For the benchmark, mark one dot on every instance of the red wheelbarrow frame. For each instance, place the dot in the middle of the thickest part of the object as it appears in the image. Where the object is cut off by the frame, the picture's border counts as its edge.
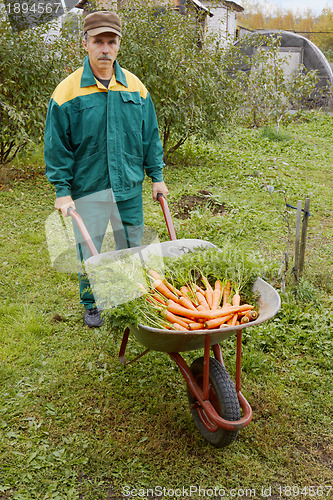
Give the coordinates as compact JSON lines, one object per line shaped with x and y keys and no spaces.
{"x":209,"y":416}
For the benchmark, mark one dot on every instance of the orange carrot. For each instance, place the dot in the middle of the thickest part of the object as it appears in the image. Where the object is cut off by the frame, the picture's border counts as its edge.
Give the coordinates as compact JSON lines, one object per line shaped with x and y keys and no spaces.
{"x":233,"y":320}
{"x":226,"y":293}
{"x":172,"y":288}
{"x":236,"y":299}
{"x":205,"y":314}
{"x":155,"y":301}
{"x":216,"y":322}
{"x":243,"y":307}
{"x":224,"y":311}
{"x":187,"y":293}
{"x":164,"y":290}
{"x":186,"y":320}
{"x":158,"y":298}
{"x":201,"y":308}
{"x":209,"y":297}
{"x":216,"y":298}
{"x":184,"y":290}
{"x":218,"y":285}
{"x":155,"y":275}
{"x":196,"y":326}
{"x":198,"y":289}
{"x":244,"y":319}
{"x":235,"y":302}
{"x":180,"y":327}
{"x":185,"y":302}
{"x":252,"y":315}
{"x":173,"y":318}
{"x":176,"y":308}
{"x":202,"y":300}
{"x":206,"y":283}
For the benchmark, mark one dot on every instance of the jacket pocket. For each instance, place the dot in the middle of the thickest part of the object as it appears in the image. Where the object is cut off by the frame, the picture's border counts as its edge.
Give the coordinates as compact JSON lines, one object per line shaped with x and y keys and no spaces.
{"x":133,"y":171}
{"x":91,"y":173}
{"x":131,"y":111}
{"x":88,"y":118}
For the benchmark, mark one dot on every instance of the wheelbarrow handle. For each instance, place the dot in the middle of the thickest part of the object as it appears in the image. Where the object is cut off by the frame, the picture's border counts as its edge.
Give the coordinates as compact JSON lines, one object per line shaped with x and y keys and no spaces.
{"x":90,"y":244}
{"x":86,"y":236}
{"x":167,"y":216}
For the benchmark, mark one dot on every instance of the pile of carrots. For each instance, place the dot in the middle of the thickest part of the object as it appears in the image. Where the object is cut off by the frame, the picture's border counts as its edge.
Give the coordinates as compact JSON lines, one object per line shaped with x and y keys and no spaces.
{"x":197,"y":308}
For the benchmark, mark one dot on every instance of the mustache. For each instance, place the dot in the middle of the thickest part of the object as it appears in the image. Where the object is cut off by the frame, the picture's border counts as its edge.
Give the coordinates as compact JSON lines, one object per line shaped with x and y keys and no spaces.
{"x":105,"y":58}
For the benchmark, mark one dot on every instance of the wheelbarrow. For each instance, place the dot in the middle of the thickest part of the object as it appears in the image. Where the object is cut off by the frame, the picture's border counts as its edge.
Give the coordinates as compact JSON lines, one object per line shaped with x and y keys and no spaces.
{"x":215,"y":401}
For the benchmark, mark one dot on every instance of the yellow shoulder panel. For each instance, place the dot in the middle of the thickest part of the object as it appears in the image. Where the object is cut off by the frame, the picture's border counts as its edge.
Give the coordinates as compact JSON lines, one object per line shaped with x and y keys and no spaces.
{"x":134,"y":84}
{"x":70,"y":88}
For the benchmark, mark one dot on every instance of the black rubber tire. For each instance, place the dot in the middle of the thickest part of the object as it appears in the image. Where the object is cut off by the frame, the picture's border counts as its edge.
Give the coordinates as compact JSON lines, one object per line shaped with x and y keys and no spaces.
{"x":222,"y":395}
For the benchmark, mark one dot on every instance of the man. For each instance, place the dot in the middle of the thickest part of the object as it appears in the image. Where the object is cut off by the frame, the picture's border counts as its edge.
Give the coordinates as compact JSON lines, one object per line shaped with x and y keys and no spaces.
{"x":101,"y":137}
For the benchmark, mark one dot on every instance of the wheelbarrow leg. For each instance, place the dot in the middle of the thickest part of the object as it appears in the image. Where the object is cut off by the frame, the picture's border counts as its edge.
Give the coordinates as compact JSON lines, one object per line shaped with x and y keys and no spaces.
{"x":218,"y":356}
{"x":205,"y":387}
{"x":238,"y":361}
{"x":122,"y":350}
{"x":218,"y":353}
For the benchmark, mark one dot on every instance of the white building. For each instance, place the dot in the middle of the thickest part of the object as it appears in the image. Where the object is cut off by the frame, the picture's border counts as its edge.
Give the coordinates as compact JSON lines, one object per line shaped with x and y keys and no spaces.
{"x":224,"y":19}
{"x":217,"y":16}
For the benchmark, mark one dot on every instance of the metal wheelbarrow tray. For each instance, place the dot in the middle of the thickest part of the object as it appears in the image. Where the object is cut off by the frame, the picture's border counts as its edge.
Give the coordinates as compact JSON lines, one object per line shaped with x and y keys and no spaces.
{"x":215,"y":401}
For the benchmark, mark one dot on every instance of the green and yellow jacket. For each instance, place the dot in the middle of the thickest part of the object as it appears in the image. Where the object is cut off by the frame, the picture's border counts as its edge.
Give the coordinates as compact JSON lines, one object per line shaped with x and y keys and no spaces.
{"x":98,"y":138}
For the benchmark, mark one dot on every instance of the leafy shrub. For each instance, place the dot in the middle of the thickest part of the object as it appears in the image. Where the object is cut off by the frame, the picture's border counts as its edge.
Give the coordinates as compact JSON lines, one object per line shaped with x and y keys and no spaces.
{"x":191,"y":86}
{"x":30,"y":69}
{"x":270,"y":94}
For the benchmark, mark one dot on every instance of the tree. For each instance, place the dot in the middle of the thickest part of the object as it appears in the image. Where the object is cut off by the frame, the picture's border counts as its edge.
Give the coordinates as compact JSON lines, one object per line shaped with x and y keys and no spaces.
{"x":270,"y":94}
{"x":30,"y":69}
{"x":190,"y":85}
{"x":316,"y":28}
{"x":324,"y":39}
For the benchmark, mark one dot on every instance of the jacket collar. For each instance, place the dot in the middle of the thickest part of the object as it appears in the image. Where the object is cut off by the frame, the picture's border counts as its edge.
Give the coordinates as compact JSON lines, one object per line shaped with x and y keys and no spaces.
{"x":88,"y":79}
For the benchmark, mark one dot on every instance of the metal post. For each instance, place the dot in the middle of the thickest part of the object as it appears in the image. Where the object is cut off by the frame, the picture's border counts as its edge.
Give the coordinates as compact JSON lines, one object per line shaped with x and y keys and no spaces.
{"x":297,"y":240}
{"x":303,"y":238}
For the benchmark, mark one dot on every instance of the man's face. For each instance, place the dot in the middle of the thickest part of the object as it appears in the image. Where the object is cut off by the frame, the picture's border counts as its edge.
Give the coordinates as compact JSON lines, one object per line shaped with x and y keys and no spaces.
{"x":102,"y":50}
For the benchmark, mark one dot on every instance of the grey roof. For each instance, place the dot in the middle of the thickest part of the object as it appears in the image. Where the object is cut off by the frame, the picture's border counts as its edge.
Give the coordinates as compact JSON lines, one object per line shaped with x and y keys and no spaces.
{"x":313,"y":58}
{"x":233,"y":5}
{"x":201,"y":6}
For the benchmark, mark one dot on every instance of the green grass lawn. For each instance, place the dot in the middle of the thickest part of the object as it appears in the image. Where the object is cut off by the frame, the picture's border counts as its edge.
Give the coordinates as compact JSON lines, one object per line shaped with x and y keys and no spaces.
{"x":75,"y":424}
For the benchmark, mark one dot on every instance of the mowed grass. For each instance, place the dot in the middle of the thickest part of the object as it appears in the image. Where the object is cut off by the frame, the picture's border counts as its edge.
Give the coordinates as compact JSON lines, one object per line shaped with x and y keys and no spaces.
{"x":75,"y":424}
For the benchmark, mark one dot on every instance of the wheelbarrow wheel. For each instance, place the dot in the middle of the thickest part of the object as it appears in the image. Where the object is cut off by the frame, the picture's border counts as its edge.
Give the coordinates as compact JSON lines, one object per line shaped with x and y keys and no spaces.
{"x":222,"y":396}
